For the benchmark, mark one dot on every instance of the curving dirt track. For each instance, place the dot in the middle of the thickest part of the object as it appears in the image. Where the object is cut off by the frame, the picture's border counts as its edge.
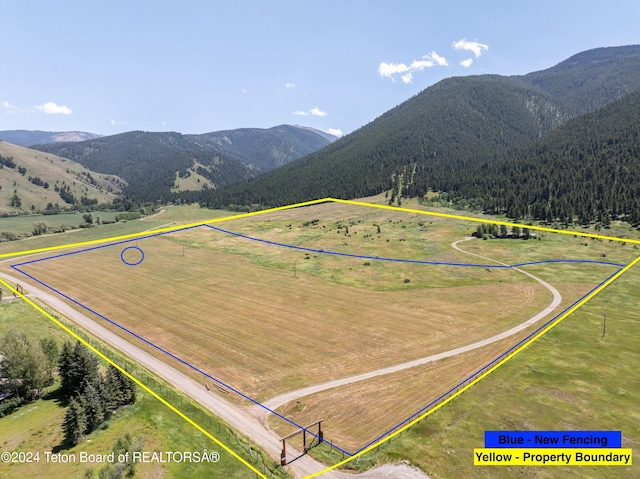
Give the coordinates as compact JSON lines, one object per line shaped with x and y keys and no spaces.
{"x":278,"y":401}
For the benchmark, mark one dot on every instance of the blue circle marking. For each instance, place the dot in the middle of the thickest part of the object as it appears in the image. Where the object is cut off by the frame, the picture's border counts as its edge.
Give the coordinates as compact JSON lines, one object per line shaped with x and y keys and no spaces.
{"x":132,"y":263}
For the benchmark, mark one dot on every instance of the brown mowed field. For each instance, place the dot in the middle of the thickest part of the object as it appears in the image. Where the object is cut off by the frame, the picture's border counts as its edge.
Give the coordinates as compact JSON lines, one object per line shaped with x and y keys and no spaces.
{"x":267,"y":320}
{"x":264,"y":331}
{"x":358,"y":413}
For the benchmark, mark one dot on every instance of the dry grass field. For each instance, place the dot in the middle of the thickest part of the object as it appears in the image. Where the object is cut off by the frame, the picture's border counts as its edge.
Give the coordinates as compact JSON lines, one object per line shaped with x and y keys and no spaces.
{"x":267,"y":319}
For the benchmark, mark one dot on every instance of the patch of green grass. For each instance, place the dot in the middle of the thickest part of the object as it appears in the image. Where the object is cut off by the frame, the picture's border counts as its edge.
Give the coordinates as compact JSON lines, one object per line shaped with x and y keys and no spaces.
{"x":571,"y":379}
{"x":36,"y":427}
{"x":174,"y":215}
{"x":16,"y":314}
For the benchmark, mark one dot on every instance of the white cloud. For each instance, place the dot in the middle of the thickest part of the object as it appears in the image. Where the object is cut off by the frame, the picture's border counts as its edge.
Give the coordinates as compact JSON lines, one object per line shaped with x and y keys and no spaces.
{"x":314,"y":111}
{"x":475,"y":47}
{"x":466,"y":63}
{"x":11,"y":108}
{"x":244,"y":91}
{"x":112,"y":121}
{"x":419,"y":65}
{"x":442,"y":61}
{"x":51,"y":108}
{"x":289,"y":85}
{"x":389,"y":70}
{"x":335,"y":131}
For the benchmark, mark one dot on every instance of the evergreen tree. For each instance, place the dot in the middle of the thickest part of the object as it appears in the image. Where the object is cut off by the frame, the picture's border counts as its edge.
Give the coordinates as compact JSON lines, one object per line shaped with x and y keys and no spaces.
{"x":65,"y":360}
{"x":94,"y":407}
{"x":75,"y":422}
{"x":120,"y":389}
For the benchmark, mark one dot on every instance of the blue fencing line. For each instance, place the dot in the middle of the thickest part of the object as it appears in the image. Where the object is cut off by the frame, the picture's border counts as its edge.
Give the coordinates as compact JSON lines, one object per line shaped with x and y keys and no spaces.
{"x":376,"y":258}
{"x":93,"y":248}
{"x":416,"y":261}
{"x":141,"y":338}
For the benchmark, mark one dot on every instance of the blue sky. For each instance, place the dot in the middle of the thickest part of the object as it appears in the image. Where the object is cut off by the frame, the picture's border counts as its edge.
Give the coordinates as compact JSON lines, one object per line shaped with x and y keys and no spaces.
{"x":200,"y":66}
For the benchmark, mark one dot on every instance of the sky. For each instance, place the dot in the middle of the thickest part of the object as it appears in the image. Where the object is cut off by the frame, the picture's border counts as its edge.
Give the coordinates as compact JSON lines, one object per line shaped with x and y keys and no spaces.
{"x":112,"y":66}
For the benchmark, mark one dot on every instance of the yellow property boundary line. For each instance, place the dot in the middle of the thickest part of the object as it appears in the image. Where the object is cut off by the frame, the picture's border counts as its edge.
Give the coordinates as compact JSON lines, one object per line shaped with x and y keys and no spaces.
{"x":310,"y":203}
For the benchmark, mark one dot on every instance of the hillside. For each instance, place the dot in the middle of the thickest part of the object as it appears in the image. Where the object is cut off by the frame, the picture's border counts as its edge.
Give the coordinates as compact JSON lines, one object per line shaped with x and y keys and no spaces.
{"x":38,"y":179}
{"x":36,"y":137}
{"x":170,"y":166}
{"x":591,"y":79}
{"x":449,"y":128}
{"x":151,"y":163}
{"x":587,"y":169}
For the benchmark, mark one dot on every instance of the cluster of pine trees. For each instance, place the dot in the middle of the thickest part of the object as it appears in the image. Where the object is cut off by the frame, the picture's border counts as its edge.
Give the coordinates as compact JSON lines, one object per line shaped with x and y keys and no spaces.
{"x":92,"y":396}
{"x":486,"y":231}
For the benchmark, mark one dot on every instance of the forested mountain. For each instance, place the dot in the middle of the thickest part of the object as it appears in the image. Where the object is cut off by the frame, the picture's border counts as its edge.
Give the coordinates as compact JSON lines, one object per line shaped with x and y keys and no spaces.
{"x":591,"y":79}
{"x":586,"y":170}
{"x":445,"y":132}
{"x":170,"y":166}
{"x":447,"y":127}
{"x":35,"y":137}
{"x":266,"y":149}
{"x":151,"y":162}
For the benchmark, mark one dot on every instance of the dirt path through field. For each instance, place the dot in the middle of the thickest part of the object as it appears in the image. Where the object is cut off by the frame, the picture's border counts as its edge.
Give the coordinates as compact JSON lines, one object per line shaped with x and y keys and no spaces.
{"x":278,"y":401}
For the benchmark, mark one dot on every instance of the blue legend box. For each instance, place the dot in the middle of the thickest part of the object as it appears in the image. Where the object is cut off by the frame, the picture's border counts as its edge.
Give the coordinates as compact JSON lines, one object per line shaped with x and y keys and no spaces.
{"x":556,"y":439}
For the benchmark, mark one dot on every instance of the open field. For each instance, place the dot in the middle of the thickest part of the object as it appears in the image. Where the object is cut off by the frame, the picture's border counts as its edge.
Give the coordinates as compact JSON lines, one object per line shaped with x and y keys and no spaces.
{"x":268,"y":319}
{"x":374,"y":405}
{"x":241,"y":322}
{"x":37,"y":426}
{"x":24,"y":223}
{"x":172,"y":215}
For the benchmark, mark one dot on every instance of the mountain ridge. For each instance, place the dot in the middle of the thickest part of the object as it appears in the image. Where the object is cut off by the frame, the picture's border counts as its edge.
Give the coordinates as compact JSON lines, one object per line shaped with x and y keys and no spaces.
{"x":33,"y":137}
{"x":156,"y":164}
{"x":452,"y":126}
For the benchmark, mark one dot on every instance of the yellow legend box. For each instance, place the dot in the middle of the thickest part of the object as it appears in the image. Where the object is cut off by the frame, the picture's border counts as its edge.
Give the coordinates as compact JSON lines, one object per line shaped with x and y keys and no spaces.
{"x":552,"y":457}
